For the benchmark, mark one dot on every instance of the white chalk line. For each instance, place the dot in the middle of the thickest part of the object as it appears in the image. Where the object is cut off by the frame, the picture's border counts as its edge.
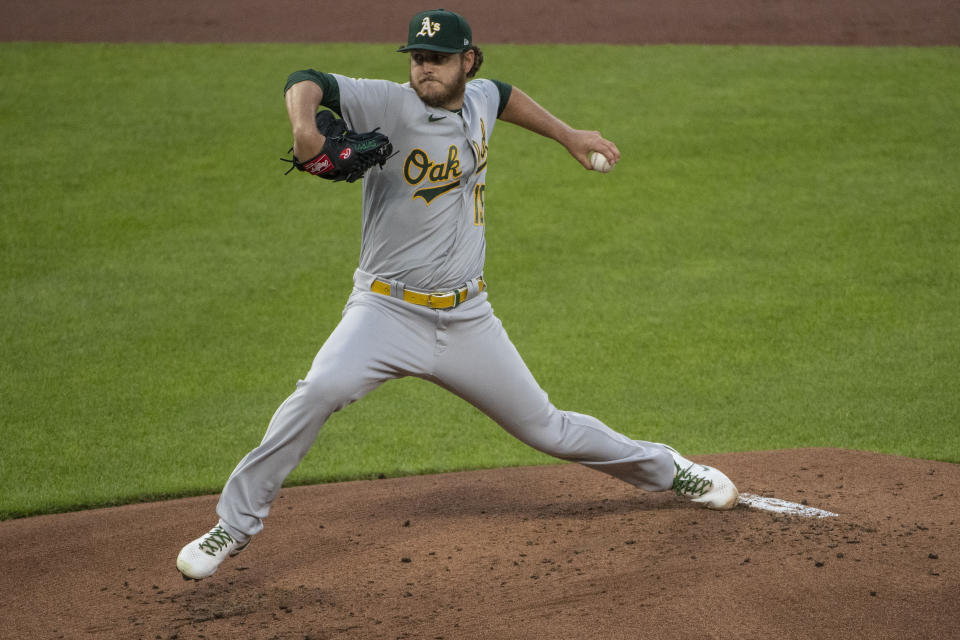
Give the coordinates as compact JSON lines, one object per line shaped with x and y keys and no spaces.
{"x":782,"y":506}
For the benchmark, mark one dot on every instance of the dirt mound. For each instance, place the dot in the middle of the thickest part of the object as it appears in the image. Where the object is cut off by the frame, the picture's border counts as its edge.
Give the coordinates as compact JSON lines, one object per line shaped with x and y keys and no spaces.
{"x":547,"y":552}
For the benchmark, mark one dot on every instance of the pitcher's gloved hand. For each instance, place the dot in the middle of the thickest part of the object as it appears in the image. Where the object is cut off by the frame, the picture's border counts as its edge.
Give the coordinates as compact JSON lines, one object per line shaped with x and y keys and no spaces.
{"x":346,"y":155}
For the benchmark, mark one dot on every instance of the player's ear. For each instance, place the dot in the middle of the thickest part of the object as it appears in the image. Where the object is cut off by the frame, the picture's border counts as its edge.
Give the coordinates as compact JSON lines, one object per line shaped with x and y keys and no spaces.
{"x":466,"y":60}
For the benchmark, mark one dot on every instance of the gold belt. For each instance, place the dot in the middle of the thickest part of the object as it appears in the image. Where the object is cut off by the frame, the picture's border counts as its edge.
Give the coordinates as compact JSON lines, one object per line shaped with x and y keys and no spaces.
{"x":441,"y":300}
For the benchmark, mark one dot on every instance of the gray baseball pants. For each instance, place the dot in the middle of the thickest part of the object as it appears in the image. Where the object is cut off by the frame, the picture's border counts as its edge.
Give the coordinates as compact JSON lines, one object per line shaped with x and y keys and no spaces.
{"x":464,"y":350}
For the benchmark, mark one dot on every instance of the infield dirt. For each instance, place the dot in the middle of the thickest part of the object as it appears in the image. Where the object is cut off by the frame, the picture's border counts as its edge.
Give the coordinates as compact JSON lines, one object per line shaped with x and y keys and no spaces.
{"x":546,"y":552}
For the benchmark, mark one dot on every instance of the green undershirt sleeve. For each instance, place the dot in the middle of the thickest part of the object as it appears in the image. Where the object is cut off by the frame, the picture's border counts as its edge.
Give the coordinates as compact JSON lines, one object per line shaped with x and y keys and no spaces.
{"x":505,"y":90}
{"x":331,"y":90}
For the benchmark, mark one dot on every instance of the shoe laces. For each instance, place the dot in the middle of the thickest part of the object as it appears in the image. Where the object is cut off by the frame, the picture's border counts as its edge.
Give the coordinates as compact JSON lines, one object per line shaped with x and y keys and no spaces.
{"x":216,"y":540}
{"x":687,"y":483}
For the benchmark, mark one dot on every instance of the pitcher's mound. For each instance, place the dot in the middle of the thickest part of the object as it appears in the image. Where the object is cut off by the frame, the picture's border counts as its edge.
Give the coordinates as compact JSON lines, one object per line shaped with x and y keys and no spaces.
{"x":542,"y":552}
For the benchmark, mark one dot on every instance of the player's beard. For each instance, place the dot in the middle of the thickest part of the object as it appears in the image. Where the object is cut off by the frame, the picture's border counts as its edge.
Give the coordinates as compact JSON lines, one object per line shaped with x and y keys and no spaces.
{"x":438,"y":94}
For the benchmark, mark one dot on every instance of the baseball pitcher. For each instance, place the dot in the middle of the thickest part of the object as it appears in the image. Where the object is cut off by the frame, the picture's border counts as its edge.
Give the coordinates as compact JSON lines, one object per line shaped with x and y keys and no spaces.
{"x":419,"y":305}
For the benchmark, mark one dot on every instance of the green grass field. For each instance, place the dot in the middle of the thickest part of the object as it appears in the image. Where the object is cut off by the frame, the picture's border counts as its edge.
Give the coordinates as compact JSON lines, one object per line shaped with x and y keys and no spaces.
{"x":775,"y":262}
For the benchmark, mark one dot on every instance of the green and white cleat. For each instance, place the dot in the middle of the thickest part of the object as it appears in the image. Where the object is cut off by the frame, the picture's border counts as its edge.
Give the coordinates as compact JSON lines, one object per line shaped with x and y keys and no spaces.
{"x":201,"y":558}
{"x":702,"y":484}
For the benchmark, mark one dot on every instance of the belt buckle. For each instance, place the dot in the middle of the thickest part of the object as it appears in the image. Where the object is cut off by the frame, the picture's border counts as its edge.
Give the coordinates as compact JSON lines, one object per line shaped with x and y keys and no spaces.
{"x":442,"y":300}
{"x":439,"y":300}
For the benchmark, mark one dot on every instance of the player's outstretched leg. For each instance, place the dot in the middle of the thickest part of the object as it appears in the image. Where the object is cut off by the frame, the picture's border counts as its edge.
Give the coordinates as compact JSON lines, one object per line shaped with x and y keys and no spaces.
{"x":201,"y":558}
{"x":482,"y":366}
{"x":702,"y":484}
{"x":349,"y":365}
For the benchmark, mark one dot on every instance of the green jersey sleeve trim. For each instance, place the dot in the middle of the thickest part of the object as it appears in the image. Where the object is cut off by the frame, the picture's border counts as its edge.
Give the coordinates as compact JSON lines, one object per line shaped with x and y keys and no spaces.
{"x":505,"y":91}
{"x":331,"y":89}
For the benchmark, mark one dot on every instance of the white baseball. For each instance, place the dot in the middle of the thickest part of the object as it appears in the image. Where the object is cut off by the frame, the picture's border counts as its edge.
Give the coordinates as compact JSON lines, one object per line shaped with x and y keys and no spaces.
{"x":599,"y":162}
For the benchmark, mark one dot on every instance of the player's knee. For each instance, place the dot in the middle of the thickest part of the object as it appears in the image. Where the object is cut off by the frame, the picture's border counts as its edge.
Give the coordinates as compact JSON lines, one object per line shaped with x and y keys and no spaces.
{"x":552,"y":447}
{"x":328,"y":390}
{"x":546,"y":432}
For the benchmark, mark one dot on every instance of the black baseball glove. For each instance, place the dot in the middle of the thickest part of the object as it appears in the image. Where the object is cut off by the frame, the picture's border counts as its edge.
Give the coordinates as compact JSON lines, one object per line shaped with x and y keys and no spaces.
{"x":346,"y":155}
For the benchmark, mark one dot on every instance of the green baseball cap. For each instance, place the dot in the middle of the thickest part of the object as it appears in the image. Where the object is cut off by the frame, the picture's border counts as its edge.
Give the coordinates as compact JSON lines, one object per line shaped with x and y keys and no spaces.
{"x":438,"y":30}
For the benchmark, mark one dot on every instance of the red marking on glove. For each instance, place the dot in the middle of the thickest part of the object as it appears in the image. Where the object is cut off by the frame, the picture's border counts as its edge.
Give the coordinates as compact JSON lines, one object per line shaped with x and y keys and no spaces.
{"x":319,"y":165}
{"x":346,"y":153}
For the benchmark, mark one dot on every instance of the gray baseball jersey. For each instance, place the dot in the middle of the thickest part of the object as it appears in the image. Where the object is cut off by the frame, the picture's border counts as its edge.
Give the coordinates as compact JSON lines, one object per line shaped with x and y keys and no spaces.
{"x":423,"y":229}
{"x":423,"y":211}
